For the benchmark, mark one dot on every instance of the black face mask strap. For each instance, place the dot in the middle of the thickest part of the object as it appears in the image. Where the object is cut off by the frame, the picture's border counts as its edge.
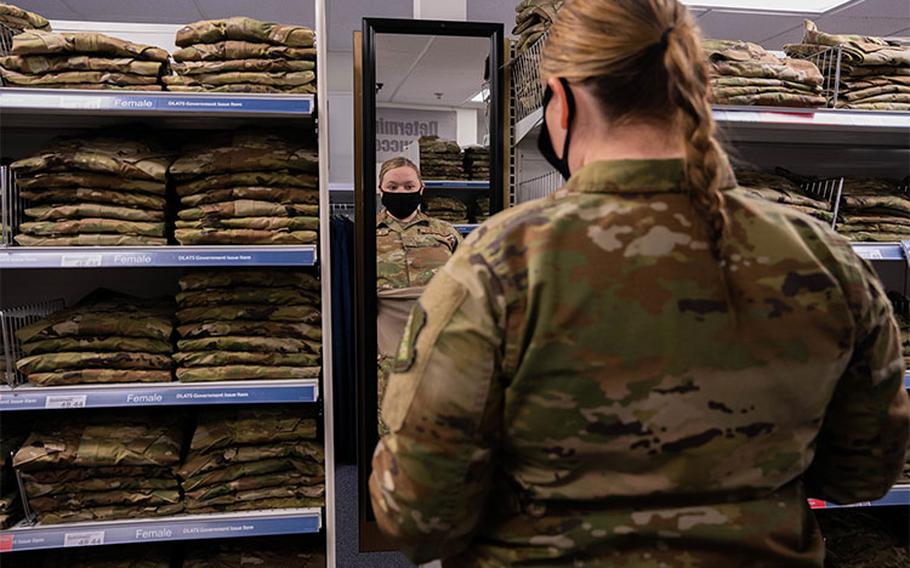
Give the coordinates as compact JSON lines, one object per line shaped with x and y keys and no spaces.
{"x":570,"y":100}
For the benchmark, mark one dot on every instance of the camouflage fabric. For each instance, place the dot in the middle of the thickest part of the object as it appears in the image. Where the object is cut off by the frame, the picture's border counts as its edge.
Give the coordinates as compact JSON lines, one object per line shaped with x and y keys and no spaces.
{"x":225,"y":428}
{"x":243,"y":236}
{"x":410,"y":254}
{"x":103,"y":87}
{"x":90,"y":241}
{"x":860,"y":50}
{"x":92,"y":180}
{"x":67,"y":77}
{"x":19,"y":19}
{"x":533,"y":18}
{"x":128,"y":158}
{"x":253,"y":295}
{"x":278,"y":178}
{"x":861,"y":218}
{"x":226,"y":50}
{"x":197,"y":464}
{"x":65,"y":477}
{"x":193,"y":87}
{"x":292,"y":314}
{"x":273,"y":555}
{"x":203,"y":279}
{"x":222,"y":358}
{"x":77,"y":501}
{"x":249,"y":486}
{"x":300,"y":502}
{"x":255,"y":223}
{"x":38,"y":42}
{"x":85,"y":195}
{"x":273,"y":79}
{"x":251,"y":329}
{"x":88,"y":226}
{"x":246,"y":151}
{"x":447,"y":209}
{"x":96,"y":211}
{"x":250,"y":344}
{"x":724,"y":92}
{"x":868,"y":236}
{"x":889,"y":99}
{"x":39,"y":64}
{"x":791,"y":70}
{"x":110,"y":513}
{"x":286,"y":196}
{"x":64,"y":360}
{"x":246,"y":373}
{"x":93,"y":344}
{"x":247,"y":208}
{"x":893,"y":228}
{"x":880,"y":106}
{"x":528,"y":427}
{"x":875,"y":91}
{"x":255,"y":469}
{"x":785,"y":99}
{"x":238,"y":28}
{"x":94,"y":445}
{"x":37,"y":489}
{"x":86,"y":376}
{"x":244,"y":65}
{"x":225,"y":496}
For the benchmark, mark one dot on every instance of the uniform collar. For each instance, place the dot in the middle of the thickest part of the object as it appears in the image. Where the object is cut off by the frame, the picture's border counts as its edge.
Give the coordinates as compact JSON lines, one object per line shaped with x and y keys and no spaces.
{"x":637,"y":176}
{"x":386,"y":219}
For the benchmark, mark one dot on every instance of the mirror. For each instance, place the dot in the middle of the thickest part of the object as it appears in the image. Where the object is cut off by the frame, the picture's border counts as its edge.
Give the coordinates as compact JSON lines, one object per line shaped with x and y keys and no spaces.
{"x":431,"y":169}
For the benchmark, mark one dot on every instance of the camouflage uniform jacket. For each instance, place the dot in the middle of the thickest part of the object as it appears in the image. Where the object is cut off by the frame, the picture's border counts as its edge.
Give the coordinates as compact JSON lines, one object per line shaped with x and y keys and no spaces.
{"x":409,"y":254}
{"x":584,"y":385}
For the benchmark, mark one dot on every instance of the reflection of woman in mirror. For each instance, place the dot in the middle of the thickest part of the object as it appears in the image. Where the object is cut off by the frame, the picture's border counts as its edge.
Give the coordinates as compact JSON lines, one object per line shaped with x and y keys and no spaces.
{"x":410,"y":248}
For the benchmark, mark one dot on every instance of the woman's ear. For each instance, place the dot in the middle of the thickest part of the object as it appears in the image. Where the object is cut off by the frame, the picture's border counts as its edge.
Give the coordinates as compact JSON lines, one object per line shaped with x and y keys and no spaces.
{"x":560,"y":100}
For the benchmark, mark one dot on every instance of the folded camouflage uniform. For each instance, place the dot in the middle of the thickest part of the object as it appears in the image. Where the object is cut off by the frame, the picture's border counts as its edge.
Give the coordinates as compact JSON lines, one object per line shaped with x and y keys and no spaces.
{"x":16,"y":18}
{"x":779,"y":189}
{"x":440,"y":159}
{"x":874,"y":210}
{"x":477,"y":162}
{"x":744,"y":73}
{"x":532,"y":20}
{"x":83,"y":60}
{"x":447,"y":209}
{"x":277,"y":554}
{"x":10,"y":502}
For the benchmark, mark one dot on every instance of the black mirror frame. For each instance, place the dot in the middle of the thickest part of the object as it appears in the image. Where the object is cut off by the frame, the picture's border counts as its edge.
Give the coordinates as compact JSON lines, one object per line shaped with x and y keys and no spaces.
{"x":365,"y":223}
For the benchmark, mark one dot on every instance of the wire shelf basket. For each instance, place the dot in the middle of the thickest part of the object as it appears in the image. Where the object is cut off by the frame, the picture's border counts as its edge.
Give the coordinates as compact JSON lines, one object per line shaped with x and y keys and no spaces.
{"x":11,"y":321}
{"x":538,"y":187}
{"x":829,"y":190}
{"x":527,"y":89}
{"x":12,"y":207}
{"x":828,"y":62}
{"x":6,"y":39}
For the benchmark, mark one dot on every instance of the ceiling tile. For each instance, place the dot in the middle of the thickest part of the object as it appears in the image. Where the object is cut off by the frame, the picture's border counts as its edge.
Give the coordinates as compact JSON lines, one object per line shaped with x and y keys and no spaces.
{"x":51,"y":9}
{"x":346,"y":16}
{"x":285,"y":11}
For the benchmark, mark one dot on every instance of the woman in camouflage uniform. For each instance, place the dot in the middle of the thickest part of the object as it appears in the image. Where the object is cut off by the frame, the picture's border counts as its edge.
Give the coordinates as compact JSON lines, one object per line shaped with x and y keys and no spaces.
{"x":647,"y":368}
{"x":410,"y":248}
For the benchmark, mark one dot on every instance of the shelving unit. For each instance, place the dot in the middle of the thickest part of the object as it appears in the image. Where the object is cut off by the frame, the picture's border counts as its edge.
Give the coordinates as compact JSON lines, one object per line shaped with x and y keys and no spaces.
{"x":898,"y":496}
{"x":33,"y":116}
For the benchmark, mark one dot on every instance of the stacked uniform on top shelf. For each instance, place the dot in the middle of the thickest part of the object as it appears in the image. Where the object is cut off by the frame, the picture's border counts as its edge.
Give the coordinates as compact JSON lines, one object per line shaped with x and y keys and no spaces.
{"x":94,"y":191}
{"x":532,"y":20}
{"x":477,"y":162}
{"x":779,"y":189}
{"x":243,"y":460}
{"x":874,"y":73}
{"x":16,"y":18}
{"x":10,"y":503}
{"x":243,"y":55}
{"x":82,"y":61}
{"x":483,"y":209}
{"x":247,"y":325}
{"x":440,"y":159}
{"x":874,"y":210}
{"x":101,"y":469}
{"x":743,"y":73}
{"x":447,"y":209}
{"x":105,"y":338}
{"x":248,"y":187}
{"x":274,"y":554}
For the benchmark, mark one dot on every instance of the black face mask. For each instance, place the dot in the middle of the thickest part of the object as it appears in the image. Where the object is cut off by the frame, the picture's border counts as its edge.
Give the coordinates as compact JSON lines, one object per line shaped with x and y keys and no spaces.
{"x":545,"y":145}
{"x":401,"y":205}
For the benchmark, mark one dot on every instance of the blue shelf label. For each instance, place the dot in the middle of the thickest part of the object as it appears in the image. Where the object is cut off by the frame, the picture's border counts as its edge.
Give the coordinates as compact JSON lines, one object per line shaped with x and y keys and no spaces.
{"x":191,"y":528}
{"x":20,"y":257}
{"x":884,"y":251}
{"x":898,"y":496}
{"x":158,"y":102}
{"x":172,"y":395}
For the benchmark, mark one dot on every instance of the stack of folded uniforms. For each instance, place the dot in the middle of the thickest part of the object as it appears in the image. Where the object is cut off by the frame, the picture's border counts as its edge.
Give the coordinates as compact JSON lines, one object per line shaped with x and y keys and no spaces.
{"x":440,"y":159}
{"x":104,"y":468}
{"x":779,"y":189}
{"x":15,"y":18}
{"x":10,"y":502}
{"x":532,"y":20}
{"x":82,"y":60}
{"x":447,"y":209}
{"x":248,"y":325}
{"x":744,"y":73}
{"x":874,"y":73}
{"x":477,"y":162}
{"x":272,"y":553}
{"x":94,"y":191}
{"x":105,"y":338}
{"x":874,"y":210}
{"x":243,"y":460}
{"x":903,"y":320}
{"x":483,"y":209}
{"x":248,"y":187}
{"x":243,"y":55}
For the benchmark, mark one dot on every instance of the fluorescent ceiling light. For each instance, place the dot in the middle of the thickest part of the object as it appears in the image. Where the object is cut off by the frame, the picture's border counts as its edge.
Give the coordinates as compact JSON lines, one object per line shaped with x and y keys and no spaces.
{"x":799,"y":6}
{"x":481,"y":96}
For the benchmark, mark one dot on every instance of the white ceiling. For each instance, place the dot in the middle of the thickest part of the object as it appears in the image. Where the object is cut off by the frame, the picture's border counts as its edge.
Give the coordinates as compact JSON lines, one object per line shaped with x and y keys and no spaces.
{"x":869,"y":17}
{"x":433,"y":70}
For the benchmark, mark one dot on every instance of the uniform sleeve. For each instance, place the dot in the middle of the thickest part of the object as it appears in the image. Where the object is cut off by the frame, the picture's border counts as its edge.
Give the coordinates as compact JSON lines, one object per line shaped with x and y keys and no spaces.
{"x":431,"y":474}
{"x":862,"y":445}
